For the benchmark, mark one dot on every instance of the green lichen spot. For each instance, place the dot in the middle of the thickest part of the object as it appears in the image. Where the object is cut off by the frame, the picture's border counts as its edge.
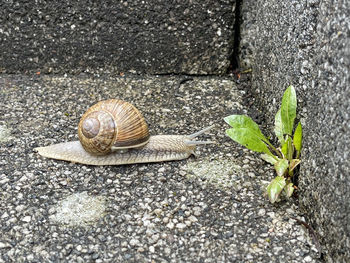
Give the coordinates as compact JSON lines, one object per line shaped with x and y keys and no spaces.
{"x":223,"y":173}
{"x":79,"y":209}
{"x":4,"y":134}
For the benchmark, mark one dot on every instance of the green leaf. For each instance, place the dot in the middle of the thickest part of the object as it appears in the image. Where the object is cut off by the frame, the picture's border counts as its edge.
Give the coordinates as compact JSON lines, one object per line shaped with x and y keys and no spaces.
{"x":284,"y":148}
{"x":289,"y":189}
{"x":275,"y":188}
{"x":297,"y":139}
{"x":241,"y":121}
{"x":268,"y":158}
{"x":281,"y":166}
{"x":287,"y":148}
{"x":248,"y":138}
{"x":288,"y":110}
{"x":279,"y":127}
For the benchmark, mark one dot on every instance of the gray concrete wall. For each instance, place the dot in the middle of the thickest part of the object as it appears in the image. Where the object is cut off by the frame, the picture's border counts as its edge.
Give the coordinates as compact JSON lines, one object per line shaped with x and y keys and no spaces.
{"x":307,"y":44}
{"x":157,"y":37}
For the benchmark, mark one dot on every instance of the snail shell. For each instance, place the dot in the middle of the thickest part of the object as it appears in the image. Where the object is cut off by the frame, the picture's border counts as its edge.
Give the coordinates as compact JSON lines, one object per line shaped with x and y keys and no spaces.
{"x":112,"y":125}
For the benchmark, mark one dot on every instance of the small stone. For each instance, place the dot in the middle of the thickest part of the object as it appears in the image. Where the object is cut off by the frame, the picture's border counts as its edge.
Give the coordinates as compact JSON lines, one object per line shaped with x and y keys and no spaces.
{"x":161,"y":170}
{"x":4,"y":245}
{"x":197,"y":211}
{"x":170,"y":225}
{"x":158,"y":211}
{"x":151,"y":249}
{"x":12,"y":220}
{"x":261,"y":212}
{"x":4,"y":181}
{"x":109,"y":181}
{"x":228,"y":234}
{"x":252,"y":175}
{"x":192,"y":219}
{"x":134,"y":242}
{"x":214,"y":234}
{"x":271,"y":214}
{"x":128,"y":182}
{"x":27,"y":219}
{"x":20,"y":208}
{"x":162,"y":179}
{"x":301,"y":238}
{"x":181,"y":226}
{"x":308,"y":259}
{"x":154,"y":238}
{"x":182,"y":173}
{"x":188,"y":223}
{"x":64,"y":182}
{"x":4,"y":215}
{"x":30,"y":257}
{"x":167,"y":251}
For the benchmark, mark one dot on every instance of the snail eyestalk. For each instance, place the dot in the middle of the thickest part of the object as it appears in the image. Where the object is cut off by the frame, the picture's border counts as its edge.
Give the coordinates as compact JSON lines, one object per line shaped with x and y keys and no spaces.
{"x":196,"y":134}
{"x":192,"y":136}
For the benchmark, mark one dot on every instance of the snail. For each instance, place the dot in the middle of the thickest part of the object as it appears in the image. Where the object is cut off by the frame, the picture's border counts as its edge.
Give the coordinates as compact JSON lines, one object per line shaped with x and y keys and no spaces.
{"x":114,"y":132}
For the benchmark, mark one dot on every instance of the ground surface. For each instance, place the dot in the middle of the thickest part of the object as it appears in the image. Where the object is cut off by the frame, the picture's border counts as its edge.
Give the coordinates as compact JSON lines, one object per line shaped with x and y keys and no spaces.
{"x":205,"y":209}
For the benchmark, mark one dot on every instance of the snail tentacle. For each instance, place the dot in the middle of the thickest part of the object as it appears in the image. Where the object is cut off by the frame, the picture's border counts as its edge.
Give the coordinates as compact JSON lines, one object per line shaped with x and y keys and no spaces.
{"x":196,"y":134}
{"x":192,"y":136}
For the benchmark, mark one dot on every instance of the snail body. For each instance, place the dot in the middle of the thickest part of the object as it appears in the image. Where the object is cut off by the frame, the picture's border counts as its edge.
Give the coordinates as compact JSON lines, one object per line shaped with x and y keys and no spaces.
{"x":114,"y":132}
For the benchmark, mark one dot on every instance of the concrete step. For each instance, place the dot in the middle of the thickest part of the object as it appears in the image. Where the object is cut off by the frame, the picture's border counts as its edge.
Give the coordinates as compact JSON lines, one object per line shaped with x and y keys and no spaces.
{"x":157,"y":37}
{"x":210,"y":208}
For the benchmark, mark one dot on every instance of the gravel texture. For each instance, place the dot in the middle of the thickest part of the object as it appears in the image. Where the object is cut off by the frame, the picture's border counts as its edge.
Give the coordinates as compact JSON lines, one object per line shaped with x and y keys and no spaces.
{"x":193,"y":37}
{"x":307,"y":44}
{"x":206,"y":209}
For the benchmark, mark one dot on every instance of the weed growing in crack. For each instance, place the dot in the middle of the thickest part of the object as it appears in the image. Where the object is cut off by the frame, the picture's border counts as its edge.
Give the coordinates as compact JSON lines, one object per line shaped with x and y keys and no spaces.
{"x":284,"y":158}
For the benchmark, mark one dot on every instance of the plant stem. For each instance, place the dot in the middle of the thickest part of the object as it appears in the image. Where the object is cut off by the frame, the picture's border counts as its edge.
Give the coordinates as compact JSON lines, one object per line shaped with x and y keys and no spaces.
{"x":274,"y":149}
{"x":290,"y":150}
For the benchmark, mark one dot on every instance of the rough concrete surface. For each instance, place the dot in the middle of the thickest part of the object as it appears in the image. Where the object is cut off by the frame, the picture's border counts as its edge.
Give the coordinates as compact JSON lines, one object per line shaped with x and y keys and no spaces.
{"x":307,"y":44}
{"x":205,"y":209}
{"x":158,"y":37}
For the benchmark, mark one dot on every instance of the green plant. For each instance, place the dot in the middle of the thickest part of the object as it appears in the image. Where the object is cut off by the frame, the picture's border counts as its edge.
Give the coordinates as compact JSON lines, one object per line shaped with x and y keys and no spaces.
{"x":285,"y":158}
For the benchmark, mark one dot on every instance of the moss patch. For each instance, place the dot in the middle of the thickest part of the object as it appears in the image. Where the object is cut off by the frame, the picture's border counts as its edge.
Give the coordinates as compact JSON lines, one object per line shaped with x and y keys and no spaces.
{"x":4,"y":134}
{"x":79,"y":209}
{"x":222,"y":173}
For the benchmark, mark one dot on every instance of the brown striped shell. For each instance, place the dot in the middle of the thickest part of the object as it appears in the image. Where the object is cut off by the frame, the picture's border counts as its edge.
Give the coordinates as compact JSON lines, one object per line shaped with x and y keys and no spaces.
{"x":112,"y":125}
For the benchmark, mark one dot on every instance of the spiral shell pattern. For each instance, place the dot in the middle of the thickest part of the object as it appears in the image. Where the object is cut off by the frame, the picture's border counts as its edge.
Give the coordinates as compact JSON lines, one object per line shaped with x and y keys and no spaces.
{"x":112,"y":125}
